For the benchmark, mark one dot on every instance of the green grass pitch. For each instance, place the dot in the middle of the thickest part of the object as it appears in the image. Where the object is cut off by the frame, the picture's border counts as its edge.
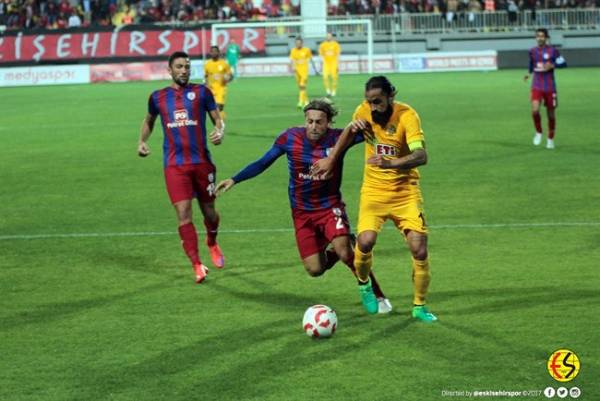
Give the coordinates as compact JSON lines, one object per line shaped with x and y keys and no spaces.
{"x":92,"y":313}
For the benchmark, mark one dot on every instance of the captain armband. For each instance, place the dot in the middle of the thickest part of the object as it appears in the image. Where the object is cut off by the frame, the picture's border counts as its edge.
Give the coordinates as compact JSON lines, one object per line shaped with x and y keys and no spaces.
{"x":416,"y":145}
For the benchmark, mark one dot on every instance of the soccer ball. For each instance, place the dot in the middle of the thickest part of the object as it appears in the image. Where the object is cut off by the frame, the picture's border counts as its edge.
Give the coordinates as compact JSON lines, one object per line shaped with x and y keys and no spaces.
{"x":320,"y":321}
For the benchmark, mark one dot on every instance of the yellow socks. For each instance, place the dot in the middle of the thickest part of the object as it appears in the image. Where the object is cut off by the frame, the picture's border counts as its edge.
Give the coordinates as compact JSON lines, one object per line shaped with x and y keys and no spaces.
{"x":421,"y":279}
{"x":362,"y":264}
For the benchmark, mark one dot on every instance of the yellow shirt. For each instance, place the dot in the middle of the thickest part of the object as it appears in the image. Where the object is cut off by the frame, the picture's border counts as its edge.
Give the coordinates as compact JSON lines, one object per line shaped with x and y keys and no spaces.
{"x":403,"y":127}
{"x":300,"y":58}
{"x":330,"y":51}
{"x":215,"y":72}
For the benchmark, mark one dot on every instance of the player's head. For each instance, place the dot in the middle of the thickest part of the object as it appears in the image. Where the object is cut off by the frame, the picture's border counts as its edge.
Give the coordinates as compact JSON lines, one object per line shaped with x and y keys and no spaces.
{"x":180,"y":68}
{"x":318,"y":115}
{"x":215,"y":52}
{"x":299,"y":42}
{"x":379,"y":93}
{"x":329,"y":36}
{"x":541,"y":36}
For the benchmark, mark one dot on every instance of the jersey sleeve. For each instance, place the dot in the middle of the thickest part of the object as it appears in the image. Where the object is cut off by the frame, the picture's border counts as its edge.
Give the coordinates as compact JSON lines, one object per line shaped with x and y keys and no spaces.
{"x":412,"y":125}
{"x":530,"y":62}
{"x":255,"y":168}
{"x":209,"y":100}
{"x":359,"y":113}
{"x":152,"y":106}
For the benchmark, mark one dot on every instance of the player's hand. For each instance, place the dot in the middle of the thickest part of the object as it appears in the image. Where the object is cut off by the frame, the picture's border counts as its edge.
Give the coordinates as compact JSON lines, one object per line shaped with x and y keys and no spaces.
{"x":322,"y":168}
{"x":224,"y":186}
{"x":379,"y":161}
{"x":216,"y":137}
{"x":143,"y":149}
{"x":365,"y":127}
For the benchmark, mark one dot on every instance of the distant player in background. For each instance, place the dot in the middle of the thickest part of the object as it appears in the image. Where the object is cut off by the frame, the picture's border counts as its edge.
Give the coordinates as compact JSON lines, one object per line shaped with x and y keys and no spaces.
{"x":317,"y":208}
{"x":542,"y":60}
{"x":233,"y":53}
{"x":217,"y":74}
{"x":330,"y":51}
{"x":300,"y":56}
{"x":189,"y":170}
{"x":390,"y":188}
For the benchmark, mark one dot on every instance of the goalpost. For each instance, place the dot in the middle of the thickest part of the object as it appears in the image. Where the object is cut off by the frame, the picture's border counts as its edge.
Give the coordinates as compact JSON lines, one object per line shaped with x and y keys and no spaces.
{"x":308,"y":29}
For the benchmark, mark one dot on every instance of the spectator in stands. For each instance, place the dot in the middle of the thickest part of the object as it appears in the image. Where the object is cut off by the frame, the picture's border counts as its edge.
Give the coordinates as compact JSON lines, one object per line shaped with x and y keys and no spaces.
{"x":74,"y":20}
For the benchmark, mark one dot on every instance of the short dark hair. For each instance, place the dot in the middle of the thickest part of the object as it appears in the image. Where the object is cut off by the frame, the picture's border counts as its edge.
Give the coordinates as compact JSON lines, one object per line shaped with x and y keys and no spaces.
{"x":544,"y":31}
{"x":381,"y":82}
{"x":215,"y":47}
{"x":323,"y":104}
{"x":176,"y":55}
{"x":298,"y":38}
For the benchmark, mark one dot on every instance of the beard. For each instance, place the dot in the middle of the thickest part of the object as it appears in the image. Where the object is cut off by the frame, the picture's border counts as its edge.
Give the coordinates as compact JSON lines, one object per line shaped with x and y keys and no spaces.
{"x":382,"y":118}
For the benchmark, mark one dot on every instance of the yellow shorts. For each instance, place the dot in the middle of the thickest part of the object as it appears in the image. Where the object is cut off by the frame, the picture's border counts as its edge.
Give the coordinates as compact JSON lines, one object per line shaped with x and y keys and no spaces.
{"x":330,"y":70}
{"x":301,"y":77}
{"x":219,"y":93}
{"x":404,"y":207}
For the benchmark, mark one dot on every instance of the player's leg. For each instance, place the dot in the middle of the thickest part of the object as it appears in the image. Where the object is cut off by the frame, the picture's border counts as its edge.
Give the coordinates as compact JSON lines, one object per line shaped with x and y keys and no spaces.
{"x":371,"y":216}
{"x":220,"y":95}
{"x":409,"y":218}
{"x":551,"y":102}
{"x":536,"y":98}
{"x":204,"y":188}
{"x":310,"y":243}
{"x":334,"y":80}
{"x":180,"y":189}
{"x":326,"y":77}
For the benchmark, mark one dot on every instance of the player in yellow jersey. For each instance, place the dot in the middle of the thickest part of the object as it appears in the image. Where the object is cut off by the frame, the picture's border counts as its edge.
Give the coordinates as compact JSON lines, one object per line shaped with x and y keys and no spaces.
{"x":300,"y":56}
{"x":217,"y":74}
{"x":330,"y":51}
{"x":390,"y":187}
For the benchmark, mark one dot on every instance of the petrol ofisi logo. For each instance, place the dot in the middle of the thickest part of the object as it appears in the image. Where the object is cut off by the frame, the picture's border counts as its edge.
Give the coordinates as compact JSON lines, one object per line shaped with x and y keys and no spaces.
{"x":563,"y":365}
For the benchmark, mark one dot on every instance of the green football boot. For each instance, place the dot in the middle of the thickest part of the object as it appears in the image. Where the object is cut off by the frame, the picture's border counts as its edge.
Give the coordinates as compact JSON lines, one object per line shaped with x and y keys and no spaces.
{"x":422,"y":313}
{"x":368,"y":298}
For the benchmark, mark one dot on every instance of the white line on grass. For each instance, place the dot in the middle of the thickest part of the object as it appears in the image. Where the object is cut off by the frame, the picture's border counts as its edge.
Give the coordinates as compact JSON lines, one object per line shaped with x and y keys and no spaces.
{"x":279,"y":230}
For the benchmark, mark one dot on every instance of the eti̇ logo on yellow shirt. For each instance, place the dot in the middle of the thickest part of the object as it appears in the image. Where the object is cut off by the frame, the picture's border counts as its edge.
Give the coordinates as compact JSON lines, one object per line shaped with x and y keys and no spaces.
{"x":563,"y":365}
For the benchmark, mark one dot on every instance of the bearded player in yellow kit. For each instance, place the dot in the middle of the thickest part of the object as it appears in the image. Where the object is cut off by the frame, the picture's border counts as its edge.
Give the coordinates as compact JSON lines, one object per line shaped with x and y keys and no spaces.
{"x":217,"y":74}
{"x":330,"y":51}
{"x":300,"y":56}
{"x":390,"y":187}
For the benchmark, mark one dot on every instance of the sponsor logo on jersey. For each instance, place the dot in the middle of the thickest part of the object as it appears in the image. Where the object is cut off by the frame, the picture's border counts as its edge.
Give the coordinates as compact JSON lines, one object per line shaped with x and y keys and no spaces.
{"x":181,"y":119}
{"x":385,"y":150}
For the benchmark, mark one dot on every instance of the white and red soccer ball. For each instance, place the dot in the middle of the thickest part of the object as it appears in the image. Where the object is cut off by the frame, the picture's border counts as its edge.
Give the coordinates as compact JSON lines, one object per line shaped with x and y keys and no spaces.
{"x":320,"y":321}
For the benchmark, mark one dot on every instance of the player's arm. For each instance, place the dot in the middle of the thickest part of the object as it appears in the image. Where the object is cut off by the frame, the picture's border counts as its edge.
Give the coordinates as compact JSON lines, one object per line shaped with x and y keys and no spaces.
{"x":347,"y":138}
{"x":216,"y":136}
{"x":251,"y":170}
{"x":530,"y":71}
{"x":145,"y":132}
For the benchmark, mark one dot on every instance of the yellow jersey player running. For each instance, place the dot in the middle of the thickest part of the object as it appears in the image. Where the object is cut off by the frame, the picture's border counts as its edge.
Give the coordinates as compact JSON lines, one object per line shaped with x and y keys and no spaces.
{"x":217,"y":74}
{"x":300,"y":56}
{"x":330,"y":51}
{"x":390,"y":187}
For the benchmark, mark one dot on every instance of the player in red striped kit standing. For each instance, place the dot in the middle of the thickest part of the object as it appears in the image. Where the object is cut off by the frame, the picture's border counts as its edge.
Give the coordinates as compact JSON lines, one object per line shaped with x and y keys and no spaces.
{"x":189,"y":170}
{"x":543,"y":59}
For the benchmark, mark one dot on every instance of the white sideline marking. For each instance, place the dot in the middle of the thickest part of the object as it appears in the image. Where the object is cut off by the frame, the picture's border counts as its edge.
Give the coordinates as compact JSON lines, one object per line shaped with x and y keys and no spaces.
{"x":279,"y":230}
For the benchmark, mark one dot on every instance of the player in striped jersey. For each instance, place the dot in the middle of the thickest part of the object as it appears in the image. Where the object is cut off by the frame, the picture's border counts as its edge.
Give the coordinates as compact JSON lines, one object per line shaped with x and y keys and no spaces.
{"x":543,"y":59}
{"x":317,"y":208}
{"x":188,"y":167}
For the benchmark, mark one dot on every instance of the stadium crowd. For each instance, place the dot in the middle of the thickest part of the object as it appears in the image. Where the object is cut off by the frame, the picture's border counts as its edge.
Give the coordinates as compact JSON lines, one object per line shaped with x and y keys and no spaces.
{"x":58,"y":14}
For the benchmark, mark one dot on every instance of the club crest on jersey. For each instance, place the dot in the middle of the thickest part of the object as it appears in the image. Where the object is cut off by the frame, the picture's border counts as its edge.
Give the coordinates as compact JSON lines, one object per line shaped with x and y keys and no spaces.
{"x":327,"y":151}
{"x":391,"y":130}
{"x":191,"y":95}
{"x":545,"y":56}
{"x":385,"y":150}
{"x":337,"y":211}
{"x":211,"y":177}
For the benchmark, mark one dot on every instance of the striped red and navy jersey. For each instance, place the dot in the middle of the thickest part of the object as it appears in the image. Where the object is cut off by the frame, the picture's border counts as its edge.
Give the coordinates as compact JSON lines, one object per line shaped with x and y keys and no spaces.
{"x":305,"y":192}
{"x":538,"y":56}
{"x":183,"y":116}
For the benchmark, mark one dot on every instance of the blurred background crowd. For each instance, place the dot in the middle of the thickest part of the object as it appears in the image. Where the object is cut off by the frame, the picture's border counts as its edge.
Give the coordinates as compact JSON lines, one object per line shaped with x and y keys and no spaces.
{"x":57,"y":14}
